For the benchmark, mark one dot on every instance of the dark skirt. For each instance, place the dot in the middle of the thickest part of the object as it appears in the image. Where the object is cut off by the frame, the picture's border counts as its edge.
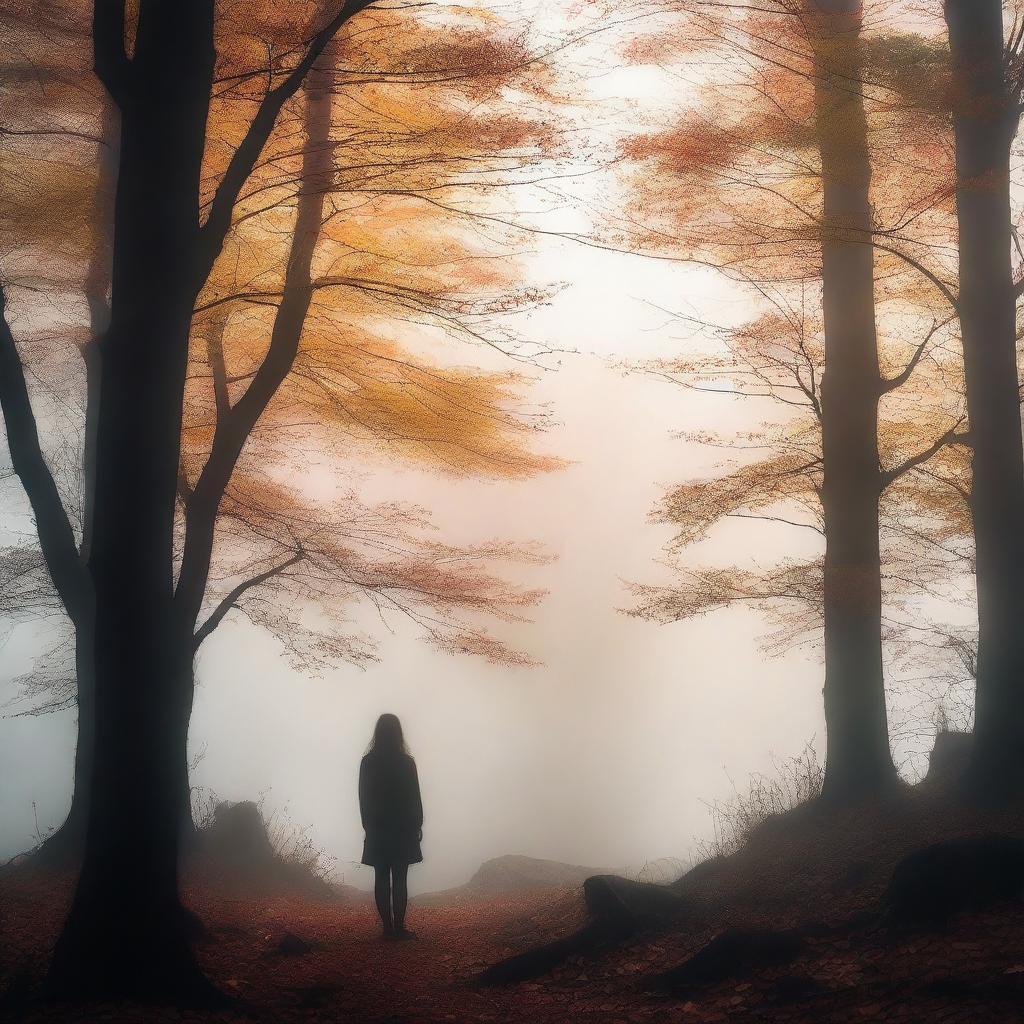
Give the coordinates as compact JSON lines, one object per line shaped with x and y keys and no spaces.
{"x":382,"y":849}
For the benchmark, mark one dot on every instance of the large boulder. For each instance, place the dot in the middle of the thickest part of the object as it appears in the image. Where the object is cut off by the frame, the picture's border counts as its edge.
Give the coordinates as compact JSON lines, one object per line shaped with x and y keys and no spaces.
{"x":237,"y":837}
{"x":969,"y":873}
{"x":516,"y":873}
{"x":619,"y":907}
{"x":236,"y":845}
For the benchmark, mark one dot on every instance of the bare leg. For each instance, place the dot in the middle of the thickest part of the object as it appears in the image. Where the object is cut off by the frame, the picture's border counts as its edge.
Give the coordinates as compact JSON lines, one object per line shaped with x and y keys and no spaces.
{"x":400,"y":879}
{"x":382,"y":896}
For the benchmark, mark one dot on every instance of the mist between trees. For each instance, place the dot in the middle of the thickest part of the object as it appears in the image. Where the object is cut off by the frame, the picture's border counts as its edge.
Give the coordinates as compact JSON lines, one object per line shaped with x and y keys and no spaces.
{"x":238,"y":240}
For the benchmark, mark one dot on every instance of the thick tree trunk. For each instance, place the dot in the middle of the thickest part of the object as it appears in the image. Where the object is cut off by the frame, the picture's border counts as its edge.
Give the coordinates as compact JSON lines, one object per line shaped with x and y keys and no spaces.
{"x":125,"y":932}
{"x":63,"y":849}
{"x":985,"y":121}
{"x":859,"y":761}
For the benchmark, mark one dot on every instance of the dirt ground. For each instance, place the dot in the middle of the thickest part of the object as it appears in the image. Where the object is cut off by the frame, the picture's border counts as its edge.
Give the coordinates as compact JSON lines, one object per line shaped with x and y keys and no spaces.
{"x":805,"y":870}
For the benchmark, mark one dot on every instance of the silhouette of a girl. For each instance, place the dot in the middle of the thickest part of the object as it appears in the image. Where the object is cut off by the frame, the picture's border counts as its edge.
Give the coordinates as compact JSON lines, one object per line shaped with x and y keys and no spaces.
{"x":392,"y":813}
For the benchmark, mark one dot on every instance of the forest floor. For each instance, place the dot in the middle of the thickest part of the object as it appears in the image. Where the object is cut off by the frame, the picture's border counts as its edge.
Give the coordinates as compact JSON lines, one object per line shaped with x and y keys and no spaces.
{"x":801,"y":868}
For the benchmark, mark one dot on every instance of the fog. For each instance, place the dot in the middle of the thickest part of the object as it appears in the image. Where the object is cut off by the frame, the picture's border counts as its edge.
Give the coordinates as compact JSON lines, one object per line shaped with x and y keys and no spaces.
{"x":606,"y":752}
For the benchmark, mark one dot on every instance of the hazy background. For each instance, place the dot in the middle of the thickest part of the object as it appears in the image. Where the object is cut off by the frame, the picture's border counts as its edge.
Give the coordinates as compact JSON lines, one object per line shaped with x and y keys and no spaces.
{"x":601,"y":756}
{"x":605,"y":754}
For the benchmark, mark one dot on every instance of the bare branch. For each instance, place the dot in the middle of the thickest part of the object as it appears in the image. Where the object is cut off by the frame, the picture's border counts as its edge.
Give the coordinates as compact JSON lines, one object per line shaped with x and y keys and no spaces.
{"x":941,"y":285}
{"x":231,"y":599}
{"x":950,"y":438}
{"x":234,"y":425}
{"x":892,"y":383}
{"x":215,"y":355}
{"x":184,"y":487}
{"x":218,"y":223}
{"x":775,"y":519}
{"x":56,"y":537}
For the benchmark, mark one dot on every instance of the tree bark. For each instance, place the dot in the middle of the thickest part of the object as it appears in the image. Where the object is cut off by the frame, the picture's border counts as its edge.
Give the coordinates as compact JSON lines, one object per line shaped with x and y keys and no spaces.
{"x":859,"y":762}
{"x":125,"y":932}
{"x":985,"y":120}
{"x":64,"y":847}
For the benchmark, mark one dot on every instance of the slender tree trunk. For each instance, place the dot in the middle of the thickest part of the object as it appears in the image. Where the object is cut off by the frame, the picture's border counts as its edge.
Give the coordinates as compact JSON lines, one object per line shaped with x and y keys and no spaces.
{"x":187,"y":685}
{"x":235,"y":423}
{"x":125,"y":932}
{"x":859,"y":761}
{"x":72,"y":833}
{"x":63,"y":849}
{"x":985,"y":121}
{"x":97,"y":294}
{"x":65,"y":845}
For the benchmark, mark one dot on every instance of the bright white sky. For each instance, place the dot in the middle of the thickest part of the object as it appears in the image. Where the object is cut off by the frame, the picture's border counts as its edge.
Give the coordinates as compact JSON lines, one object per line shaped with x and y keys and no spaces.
{"x":602,"y":756}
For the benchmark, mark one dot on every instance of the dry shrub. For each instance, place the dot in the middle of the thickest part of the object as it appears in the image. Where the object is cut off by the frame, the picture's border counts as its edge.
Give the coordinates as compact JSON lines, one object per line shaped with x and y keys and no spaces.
{"x":795,"y":781}
{"x":290,"y":851}
{"x":294,"y":845}
{"x":662,"y":871}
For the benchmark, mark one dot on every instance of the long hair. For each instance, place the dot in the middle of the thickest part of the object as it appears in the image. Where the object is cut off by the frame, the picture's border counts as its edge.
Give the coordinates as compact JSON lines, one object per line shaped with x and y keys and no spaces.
{"x":388,"y":740}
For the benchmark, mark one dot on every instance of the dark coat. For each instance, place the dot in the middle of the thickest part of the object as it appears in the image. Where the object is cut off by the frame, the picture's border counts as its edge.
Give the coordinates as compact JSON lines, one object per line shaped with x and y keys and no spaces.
{"x":391,"y":809}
